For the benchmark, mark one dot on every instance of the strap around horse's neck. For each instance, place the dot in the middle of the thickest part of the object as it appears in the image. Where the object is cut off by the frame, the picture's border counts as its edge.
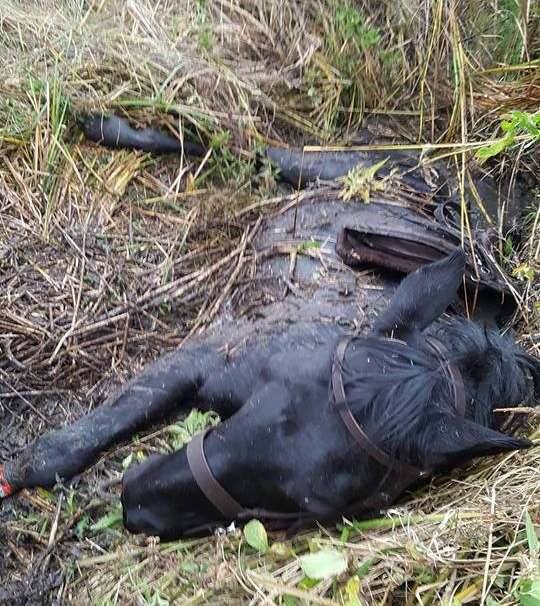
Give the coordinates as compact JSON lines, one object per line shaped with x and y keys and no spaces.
{"x":355,"y":429}
{"x":406,"y":474}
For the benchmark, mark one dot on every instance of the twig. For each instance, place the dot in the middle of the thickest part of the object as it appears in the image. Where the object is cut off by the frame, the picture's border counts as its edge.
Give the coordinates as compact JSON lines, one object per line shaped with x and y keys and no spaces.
{"x":280,"y":589}
{"x":27,"y":402}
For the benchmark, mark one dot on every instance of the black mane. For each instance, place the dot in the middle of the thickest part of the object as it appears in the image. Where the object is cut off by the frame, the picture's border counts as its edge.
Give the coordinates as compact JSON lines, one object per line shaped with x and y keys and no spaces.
{"x":495,"y":369}
{"x":392,"y":399}
{"x":405,"y":383}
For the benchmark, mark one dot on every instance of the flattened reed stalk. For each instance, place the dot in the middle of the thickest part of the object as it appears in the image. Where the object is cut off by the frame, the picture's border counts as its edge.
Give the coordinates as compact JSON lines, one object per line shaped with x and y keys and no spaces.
{"x":108,"y":258}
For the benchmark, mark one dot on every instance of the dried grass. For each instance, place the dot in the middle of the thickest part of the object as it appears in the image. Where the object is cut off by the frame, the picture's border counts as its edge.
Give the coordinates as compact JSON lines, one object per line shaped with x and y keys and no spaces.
{"x":108,"y":259}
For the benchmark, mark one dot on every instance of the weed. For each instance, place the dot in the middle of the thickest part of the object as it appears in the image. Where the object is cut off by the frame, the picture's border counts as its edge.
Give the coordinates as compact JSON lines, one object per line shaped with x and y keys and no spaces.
{"x":204,"y":28}
{"x":360,"y":182}
{"x":337,"y":83}
{"x":110,"y":521}
{"x":509,"y":42}
{"x":180,"y":433}
{"x":351,"y":28}
{"x":520,"y":129}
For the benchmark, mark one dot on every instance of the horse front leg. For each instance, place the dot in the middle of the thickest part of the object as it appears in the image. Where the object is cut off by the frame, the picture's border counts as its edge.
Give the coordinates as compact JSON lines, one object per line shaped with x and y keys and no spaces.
{"x":170,"y":384}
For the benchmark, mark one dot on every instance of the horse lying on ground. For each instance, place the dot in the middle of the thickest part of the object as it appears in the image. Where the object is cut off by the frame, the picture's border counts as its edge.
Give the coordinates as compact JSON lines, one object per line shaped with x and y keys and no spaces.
{"x":332,"y":401}
{"x":313,"y":425}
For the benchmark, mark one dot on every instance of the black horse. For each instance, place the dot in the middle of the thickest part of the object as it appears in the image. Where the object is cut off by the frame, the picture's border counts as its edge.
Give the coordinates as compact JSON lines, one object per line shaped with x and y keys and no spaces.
{"x":283,"y":448}
{"x":332,"y":401}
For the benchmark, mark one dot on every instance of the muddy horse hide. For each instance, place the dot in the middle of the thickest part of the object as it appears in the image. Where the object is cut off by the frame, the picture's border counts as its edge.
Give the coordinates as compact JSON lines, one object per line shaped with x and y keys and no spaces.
{"x":501,"y":202}
{"x":333,"y":400}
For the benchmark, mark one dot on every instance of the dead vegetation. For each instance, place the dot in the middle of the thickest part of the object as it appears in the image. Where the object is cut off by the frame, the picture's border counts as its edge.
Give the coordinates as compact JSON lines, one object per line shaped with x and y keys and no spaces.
{"x":108,"y":258}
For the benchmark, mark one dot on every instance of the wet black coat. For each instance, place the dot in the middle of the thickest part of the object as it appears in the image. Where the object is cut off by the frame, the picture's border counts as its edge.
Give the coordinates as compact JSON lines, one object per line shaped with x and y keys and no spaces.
{"x":265,"y":368}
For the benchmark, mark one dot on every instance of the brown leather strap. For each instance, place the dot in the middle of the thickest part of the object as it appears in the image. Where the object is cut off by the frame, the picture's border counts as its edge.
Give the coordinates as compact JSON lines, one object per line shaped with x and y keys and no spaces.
{"x":356,"y":430}
{"x":210,"y":487}
{"x":406,"y":474}
{"x":218,"y":496}
{"x":453,"y":374}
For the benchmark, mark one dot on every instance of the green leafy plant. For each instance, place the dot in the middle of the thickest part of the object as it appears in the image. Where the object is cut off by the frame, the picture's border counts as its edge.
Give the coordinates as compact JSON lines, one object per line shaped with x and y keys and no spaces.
{"x":226,"y":164}
{"x":360,"y":182}
{"x":323,"y":564}
{"x":528,"y":589}
{"x":509,"y":41}
{"x":111,"y":520}
{"x":520,"y":124}
{"x":71,"y":502}
{"x":82,"y":526}
{"x":524,"y":272}
{"x":352,"y":27}
{"x":196,"y":421}
{"x":342,"y":75}
{"x":350,"y":593}
{"x":308,"y":246}
{"x":256,"y":537}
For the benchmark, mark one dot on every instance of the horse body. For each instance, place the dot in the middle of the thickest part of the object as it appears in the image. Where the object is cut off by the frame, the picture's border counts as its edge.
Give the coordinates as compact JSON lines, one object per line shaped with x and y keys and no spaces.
{"x":265,"y":367}
{"x":285,"y":448}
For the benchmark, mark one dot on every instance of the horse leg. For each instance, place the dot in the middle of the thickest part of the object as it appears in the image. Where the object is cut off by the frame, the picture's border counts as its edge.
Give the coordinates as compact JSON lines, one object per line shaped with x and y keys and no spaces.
{"x":172,"y":383}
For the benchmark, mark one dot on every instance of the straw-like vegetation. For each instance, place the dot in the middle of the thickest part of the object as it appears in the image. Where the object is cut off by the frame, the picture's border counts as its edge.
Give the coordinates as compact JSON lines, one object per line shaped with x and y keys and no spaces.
{"x":109,"y":258}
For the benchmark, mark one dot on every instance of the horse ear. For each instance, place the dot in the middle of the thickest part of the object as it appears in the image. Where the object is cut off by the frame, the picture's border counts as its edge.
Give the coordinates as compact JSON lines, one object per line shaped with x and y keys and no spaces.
{"x":450,"y":441}
{"x":422,"y":297}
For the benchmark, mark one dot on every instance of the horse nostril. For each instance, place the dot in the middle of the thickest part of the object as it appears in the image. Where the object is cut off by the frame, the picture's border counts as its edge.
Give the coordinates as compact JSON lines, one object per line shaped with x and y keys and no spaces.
{"x":125,"y":519}
{"x":125,"y":501}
